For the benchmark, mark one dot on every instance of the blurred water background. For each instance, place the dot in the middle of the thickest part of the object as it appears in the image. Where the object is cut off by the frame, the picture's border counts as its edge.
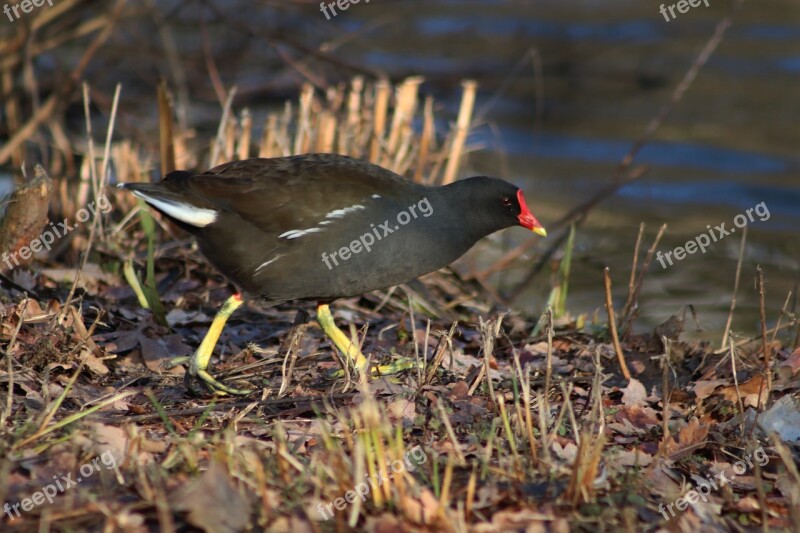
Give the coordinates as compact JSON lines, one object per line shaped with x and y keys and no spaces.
{"x":565,"y":89}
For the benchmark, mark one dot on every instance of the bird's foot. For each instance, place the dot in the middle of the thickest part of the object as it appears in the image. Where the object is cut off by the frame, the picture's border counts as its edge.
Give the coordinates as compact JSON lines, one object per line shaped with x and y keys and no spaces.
{"x":197,"y":364}
{"x":194,"y":372}
{"x":395,"y":367}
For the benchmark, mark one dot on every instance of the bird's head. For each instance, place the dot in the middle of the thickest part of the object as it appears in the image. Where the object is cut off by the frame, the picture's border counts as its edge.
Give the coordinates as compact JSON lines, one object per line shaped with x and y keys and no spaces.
{"x":502,"y":201}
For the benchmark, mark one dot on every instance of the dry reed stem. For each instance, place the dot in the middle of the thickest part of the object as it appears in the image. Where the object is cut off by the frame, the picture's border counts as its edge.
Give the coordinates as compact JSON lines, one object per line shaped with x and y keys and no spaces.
{"x":469,"y":500}
{"x":632,"y":280}
{"x":462,"y":129}
{"x":549,"y":361}
{"x":452,"y":434}
{"x":665,"y":393}
{"x":230,"y":137}
{"x":217,"y":146}
{"x":426,"y":141}
{"x":327,"y":132}
{"x":268,"y":137}
{"x":630,"y":316}
{"x":739,"y":402}
{"x":612,"y":324}
{"x":766,"y":347}
{"x":724,"y":344}
{"x":784,"y":312}
{"x":585,"y":469}
{"x":445,"y":342}
{"x":346,"y":145}
{"x":444,"y":495}
{"x":283,"y":131}
{"x":526,"y":397}
{"x":8,"y":351}
{"x":165,"y":129}
{"x":404,"y":109}
{"x":243,"y":151}
{"x":100,"y":187}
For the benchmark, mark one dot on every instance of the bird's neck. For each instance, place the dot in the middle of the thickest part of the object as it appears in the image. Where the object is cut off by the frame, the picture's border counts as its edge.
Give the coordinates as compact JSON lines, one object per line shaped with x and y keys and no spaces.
{"x":462,"y":204}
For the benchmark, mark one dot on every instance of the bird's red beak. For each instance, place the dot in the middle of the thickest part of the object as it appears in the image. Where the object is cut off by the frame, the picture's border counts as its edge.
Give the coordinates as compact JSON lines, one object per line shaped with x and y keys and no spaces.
{"x":526,"y":218}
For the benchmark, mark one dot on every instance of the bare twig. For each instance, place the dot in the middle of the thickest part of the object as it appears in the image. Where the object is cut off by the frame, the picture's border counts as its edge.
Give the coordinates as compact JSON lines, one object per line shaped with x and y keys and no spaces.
{"x":735,"y":291}
{"x":767,"y":348}
{"x":97,"y":214}
{"x":736,"y":386}
{"x":612,"y":324}
{"x":630,"y":317}
{"x":223,"y":123}
{"x":632,"y":280}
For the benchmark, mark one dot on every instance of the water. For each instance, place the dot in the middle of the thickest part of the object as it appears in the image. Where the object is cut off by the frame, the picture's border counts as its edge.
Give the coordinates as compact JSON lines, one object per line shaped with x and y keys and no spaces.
{"x":607,"y":67}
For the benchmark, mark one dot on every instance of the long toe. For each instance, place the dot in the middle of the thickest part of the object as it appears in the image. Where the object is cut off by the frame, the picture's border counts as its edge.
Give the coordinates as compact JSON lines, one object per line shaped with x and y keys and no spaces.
{"x":217,"y":387}
{"x":396,"y":366}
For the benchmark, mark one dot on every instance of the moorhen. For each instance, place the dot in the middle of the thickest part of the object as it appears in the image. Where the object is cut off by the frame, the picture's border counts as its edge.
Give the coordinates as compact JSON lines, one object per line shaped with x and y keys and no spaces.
{"x":324,"y":226}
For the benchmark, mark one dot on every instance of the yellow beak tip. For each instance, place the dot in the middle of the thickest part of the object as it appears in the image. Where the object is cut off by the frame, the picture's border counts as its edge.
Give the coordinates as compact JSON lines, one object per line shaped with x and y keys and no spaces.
{"x":540,"y":231}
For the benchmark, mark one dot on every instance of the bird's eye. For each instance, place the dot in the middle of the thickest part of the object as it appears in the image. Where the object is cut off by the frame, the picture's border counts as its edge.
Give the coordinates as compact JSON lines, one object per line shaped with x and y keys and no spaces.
{"x":506,"y":201}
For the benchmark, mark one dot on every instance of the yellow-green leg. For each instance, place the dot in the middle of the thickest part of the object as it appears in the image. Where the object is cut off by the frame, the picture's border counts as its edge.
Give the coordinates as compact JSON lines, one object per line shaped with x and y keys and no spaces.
{"x":337,"y":336}
{"x":350,"y":349}
{"x":198,"y":362}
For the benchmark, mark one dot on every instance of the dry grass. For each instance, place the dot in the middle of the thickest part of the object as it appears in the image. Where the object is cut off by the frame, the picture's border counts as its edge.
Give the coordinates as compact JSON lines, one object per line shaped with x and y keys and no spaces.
{"x":502,"y":430}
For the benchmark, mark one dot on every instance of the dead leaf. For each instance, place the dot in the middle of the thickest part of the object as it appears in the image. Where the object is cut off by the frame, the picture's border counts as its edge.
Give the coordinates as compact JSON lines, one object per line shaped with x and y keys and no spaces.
{"x":155,"y":352}
{"x":748,"y":391}
{"x":620,"y":458}
{"x":403,"y":409}
{"x":92,"y":362}
{"x":181,"y":317}
{"x":422,"y":510}
{"x":213,"y":502}
{"x":690,"y":437}
{"x":109,"y":439}
{"x":788,"y":368}
{"x":704,"y":389}
{"x":634,"y":395}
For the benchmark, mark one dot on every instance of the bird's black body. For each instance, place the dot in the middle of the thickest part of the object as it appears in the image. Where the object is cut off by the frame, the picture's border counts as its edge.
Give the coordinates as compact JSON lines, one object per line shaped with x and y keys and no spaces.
{"x":269,"y":224}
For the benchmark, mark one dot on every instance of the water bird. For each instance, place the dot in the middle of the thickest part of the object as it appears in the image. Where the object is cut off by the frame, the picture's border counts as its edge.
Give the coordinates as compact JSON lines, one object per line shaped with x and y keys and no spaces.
{"x":320,"y":227}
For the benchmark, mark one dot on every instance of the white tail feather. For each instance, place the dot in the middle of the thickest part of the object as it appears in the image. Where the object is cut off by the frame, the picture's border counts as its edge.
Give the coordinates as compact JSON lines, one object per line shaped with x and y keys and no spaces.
{"x":199,"y":217}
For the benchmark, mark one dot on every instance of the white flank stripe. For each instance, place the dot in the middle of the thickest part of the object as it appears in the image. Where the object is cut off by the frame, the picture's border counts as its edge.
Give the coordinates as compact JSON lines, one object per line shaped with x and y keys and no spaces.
{"x":297,"y":233}
{"x":267,"y":263}
{"x":339,"y":213}
{"x":199,"y":217}
{"x":376,"y":196}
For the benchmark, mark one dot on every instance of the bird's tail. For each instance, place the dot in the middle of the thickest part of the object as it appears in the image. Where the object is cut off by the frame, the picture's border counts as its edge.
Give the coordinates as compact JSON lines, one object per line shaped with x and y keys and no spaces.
{"x":172,"y":203}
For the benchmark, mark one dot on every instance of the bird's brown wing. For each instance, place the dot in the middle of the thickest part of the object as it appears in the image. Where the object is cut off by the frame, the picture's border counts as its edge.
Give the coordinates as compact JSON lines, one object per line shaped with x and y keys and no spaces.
{"x":289,"y":193}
